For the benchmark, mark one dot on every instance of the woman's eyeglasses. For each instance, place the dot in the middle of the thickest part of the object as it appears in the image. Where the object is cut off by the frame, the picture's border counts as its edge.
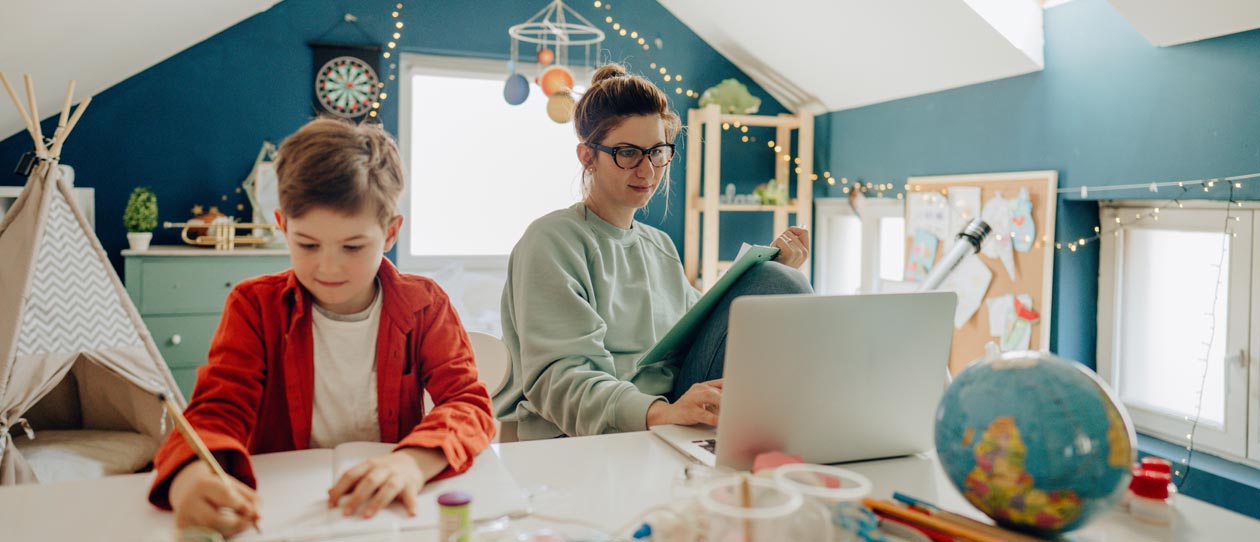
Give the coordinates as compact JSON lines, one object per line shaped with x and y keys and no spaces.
{"x":630,"y":156}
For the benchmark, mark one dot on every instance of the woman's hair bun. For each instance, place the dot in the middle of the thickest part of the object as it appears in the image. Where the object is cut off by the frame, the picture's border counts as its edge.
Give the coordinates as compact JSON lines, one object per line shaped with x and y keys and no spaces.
{"x":608,"y":71}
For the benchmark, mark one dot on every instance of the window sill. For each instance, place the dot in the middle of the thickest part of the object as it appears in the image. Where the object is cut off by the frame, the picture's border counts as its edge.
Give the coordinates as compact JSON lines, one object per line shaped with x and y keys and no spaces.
{"x":1225,"y":483}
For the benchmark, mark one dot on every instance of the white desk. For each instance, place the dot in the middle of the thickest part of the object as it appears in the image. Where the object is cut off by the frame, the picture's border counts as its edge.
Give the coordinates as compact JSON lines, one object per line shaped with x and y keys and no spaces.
{"x":604,"y":480}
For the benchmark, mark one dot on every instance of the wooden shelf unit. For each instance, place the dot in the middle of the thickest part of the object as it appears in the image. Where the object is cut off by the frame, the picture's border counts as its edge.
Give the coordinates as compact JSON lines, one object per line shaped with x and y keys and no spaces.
{"x":704,"y":183}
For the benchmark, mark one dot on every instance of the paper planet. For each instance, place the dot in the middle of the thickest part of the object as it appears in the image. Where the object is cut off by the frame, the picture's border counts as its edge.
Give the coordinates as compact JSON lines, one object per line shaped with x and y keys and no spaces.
{"x":560,"y":107}
{"x":556,"y":79}
{"x":546,"y":56}
{"x":516,"y":89}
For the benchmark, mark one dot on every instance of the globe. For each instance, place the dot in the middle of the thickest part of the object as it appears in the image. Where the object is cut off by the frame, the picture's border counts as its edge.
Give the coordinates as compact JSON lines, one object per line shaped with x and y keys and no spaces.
{"x":1036,"y":442}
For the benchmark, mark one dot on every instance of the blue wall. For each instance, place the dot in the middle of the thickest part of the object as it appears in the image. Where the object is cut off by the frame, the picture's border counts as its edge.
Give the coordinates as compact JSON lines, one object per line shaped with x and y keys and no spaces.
{"x":191,"y":126}
{"x":1109,"y":108}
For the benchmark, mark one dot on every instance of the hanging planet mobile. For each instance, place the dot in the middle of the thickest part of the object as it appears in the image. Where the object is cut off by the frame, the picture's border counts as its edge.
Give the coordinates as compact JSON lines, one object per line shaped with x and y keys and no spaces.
{"x":346,"y":86}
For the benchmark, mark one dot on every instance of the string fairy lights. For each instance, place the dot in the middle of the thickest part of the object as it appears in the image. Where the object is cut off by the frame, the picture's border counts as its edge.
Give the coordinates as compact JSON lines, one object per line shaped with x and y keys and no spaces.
{"x":391,"y":47}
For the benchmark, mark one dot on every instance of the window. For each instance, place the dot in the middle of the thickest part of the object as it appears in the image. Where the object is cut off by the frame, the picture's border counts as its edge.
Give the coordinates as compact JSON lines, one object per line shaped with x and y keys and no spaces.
{"x":479,"y":170}
{"x":855,"y":254}
{"x":1173,"y":321}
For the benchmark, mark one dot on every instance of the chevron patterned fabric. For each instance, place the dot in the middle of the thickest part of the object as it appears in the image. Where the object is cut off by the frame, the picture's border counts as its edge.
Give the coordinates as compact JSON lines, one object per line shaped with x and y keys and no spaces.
{"x":72,"y":305}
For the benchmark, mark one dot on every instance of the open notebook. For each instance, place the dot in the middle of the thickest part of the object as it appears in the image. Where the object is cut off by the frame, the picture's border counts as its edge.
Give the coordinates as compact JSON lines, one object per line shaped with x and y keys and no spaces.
{"x":293,"y":487}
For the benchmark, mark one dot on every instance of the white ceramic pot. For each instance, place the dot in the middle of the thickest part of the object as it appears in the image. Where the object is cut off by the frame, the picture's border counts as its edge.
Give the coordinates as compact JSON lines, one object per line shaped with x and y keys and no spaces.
{"x":139,"y":241}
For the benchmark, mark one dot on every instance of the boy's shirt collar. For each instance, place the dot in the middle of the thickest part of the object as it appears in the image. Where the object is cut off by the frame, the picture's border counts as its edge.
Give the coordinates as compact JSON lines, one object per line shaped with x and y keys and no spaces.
{"x":394,"y":308}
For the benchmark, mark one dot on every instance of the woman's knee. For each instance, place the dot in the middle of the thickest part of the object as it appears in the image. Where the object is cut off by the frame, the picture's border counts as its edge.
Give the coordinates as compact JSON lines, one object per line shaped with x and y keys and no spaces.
{"x":775,"y":278}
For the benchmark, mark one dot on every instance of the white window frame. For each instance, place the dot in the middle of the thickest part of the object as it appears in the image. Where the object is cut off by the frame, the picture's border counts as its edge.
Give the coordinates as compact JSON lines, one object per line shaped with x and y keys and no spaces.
{"x":410,"y":65}
{"x":1233,"y":441}
{"x":873,"y":210}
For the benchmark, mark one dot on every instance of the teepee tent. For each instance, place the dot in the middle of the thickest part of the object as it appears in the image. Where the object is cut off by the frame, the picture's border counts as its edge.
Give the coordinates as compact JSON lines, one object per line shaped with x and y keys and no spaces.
{"x":78,"y":369}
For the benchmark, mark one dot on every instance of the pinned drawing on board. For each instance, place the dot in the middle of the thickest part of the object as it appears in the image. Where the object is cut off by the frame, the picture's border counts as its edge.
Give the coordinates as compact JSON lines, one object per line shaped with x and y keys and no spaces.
{"x":922,"y":256}
{"x":927,"y":211}
{"x":997,"y":212}
{"x":964,"y":205}
{"x":1011,"y":318}
{"x":970,"y":280}
{"x":1023,"y":228}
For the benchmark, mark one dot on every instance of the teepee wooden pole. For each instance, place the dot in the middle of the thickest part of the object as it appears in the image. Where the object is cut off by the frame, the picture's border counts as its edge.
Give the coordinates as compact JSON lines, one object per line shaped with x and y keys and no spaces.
{"x":17,"y":102}
{"x":74,"y":121}
{"x":58,"y":135}
{"x":39,"y":132}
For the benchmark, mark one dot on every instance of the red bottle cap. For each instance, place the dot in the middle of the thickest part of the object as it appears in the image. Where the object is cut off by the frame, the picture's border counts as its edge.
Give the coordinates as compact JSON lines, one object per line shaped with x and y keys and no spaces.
{"x":1158,"y":464}
{"x":1151,"y":484}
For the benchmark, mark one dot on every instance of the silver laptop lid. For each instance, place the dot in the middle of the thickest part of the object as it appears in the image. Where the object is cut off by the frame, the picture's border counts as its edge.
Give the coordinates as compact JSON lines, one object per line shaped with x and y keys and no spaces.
{"x":833,"y":378}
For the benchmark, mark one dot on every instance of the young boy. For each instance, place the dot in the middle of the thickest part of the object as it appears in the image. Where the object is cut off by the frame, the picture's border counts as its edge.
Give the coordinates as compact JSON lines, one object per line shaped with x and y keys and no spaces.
{"x":339,"y":348}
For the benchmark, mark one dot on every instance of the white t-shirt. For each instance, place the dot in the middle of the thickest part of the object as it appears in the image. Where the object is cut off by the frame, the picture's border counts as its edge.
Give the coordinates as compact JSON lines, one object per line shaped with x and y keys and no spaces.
{"x":344,"y":405}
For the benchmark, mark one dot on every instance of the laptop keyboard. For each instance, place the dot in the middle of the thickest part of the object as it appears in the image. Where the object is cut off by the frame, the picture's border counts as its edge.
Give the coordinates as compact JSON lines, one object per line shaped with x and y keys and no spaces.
{"x":709,"y":444}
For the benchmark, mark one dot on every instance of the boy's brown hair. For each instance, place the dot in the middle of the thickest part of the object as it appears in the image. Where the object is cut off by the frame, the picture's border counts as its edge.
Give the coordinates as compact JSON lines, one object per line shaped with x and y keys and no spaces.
{"x":340,"y":166}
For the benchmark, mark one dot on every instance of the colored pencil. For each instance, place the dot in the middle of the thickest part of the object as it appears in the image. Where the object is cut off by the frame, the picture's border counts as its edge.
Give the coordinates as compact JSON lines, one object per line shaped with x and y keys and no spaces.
{"x":936,"y":511}
{"x":936,"y":524}
{"x":199,"y":447}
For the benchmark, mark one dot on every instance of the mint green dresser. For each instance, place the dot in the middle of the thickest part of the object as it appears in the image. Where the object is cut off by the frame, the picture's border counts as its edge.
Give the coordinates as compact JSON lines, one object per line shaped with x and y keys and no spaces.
{"x":180,"y":291}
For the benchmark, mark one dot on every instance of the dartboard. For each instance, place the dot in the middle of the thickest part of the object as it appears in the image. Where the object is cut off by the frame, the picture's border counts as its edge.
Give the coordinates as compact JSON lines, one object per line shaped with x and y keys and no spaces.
{"x":346,"y":86}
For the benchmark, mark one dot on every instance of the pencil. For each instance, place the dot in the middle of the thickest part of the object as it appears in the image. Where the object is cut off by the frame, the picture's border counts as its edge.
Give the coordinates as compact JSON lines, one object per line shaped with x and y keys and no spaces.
{"x":745,"y":497}
{"x":933,"y":510}
{"x":199,"y":447}
{"x":936,"y":524}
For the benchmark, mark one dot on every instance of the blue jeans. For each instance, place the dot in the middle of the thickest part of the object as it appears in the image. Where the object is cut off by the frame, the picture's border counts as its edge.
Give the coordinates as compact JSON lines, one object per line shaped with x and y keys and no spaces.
{"x":707,"y":356}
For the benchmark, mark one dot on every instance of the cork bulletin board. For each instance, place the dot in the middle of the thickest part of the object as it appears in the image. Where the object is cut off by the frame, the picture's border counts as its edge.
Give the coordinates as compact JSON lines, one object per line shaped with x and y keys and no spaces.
{"x":1020,"y":301}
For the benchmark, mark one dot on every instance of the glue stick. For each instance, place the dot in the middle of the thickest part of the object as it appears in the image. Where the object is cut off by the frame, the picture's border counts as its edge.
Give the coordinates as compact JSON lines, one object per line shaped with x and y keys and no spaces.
{"x":454,"y":516}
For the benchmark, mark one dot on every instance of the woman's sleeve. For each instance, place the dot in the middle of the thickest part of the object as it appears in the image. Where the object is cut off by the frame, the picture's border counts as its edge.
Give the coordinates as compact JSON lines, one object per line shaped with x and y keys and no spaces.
{"x":568,"y":374}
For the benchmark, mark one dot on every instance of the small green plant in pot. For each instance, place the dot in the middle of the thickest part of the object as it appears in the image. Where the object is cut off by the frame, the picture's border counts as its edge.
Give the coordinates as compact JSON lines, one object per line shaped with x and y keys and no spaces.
{"x":140,"y":218}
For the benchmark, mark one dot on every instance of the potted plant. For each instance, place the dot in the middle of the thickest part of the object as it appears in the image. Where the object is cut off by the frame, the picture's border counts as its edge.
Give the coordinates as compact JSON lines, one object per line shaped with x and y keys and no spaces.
{"x":140,"y":217}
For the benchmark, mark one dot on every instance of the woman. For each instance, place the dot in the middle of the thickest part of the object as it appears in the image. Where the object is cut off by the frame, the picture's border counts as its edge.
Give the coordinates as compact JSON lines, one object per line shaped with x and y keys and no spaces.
{"x":590,"y":290}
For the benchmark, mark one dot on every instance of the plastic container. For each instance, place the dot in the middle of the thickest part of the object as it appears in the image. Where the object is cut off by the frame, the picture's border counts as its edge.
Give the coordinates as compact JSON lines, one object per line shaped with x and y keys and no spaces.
{"x":838,"y":490}
{"x":454,"y":515}
{"x":752,"y":508}
{"x":1148,"y":496}
{"x":1159,"y":464}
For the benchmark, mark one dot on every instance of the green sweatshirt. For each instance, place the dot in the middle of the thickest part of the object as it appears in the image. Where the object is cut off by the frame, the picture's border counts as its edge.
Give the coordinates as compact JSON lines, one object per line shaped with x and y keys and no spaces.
{"x":584,"y":301}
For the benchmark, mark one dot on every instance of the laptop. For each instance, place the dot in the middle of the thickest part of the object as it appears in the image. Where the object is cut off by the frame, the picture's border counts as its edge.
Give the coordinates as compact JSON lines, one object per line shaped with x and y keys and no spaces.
{"x":829,"y":378}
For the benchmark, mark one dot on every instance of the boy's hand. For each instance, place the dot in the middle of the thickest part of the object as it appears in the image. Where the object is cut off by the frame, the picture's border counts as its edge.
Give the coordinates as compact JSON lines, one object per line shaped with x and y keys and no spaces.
{"x":700,"y":404}
{"x":377,"y":482}
{"x":201,"y":499}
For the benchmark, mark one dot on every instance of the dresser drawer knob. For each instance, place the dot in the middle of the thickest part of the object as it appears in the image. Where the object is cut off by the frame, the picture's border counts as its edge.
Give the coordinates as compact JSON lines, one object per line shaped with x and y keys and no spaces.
{"x":227,"y":285}
{"x":176,"y":339}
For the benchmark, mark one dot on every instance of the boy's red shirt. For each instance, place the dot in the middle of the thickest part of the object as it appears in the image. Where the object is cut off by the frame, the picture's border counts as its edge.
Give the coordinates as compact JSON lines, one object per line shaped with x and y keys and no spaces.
{"x":254,"y":395}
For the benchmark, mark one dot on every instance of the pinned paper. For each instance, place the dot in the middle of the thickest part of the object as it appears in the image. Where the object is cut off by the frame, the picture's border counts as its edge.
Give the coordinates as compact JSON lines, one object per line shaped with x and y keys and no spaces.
{"x":964,"y":204}
{"x":928,"y":211}
{"x":997,"y":212}
{"x":970,"y":280}
{"x":1011,"y":318}
{"x":922,"y":256}
{"x":1022,"y":227}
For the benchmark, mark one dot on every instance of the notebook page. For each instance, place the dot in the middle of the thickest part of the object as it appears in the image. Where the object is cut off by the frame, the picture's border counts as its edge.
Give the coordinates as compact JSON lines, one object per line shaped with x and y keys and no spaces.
{"x":494,"y":491}
{"x":293,"y":488}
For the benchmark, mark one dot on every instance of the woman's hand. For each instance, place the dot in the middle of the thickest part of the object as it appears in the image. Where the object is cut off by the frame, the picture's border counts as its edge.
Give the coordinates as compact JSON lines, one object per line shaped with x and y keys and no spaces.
{"x":793,"y":247}
{"x":700,"y":404}
{"x":377,"y":482}
{"x":201,"y":499}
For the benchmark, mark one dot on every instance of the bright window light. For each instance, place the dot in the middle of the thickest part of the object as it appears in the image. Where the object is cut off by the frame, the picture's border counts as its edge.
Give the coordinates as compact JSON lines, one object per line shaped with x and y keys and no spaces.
{"x":482,"y":170}
{"x":1168,"y":284}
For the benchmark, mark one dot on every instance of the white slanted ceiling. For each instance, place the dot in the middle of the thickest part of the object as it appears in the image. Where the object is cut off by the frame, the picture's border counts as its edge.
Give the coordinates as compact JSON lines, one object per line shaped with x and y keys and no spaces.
{"x":1173,"y":22}
{"x":826,"y":55}
{"x":99,"y":43}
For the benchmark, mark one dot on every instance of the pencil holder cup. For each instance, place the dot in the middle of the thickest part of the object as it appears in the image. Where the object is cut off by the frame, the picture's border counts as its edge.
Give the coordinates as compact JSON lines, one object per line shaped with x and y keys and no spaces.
{"x":739,"y":509}
{"x":837,"y":490}
{"x":505,"y":530}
